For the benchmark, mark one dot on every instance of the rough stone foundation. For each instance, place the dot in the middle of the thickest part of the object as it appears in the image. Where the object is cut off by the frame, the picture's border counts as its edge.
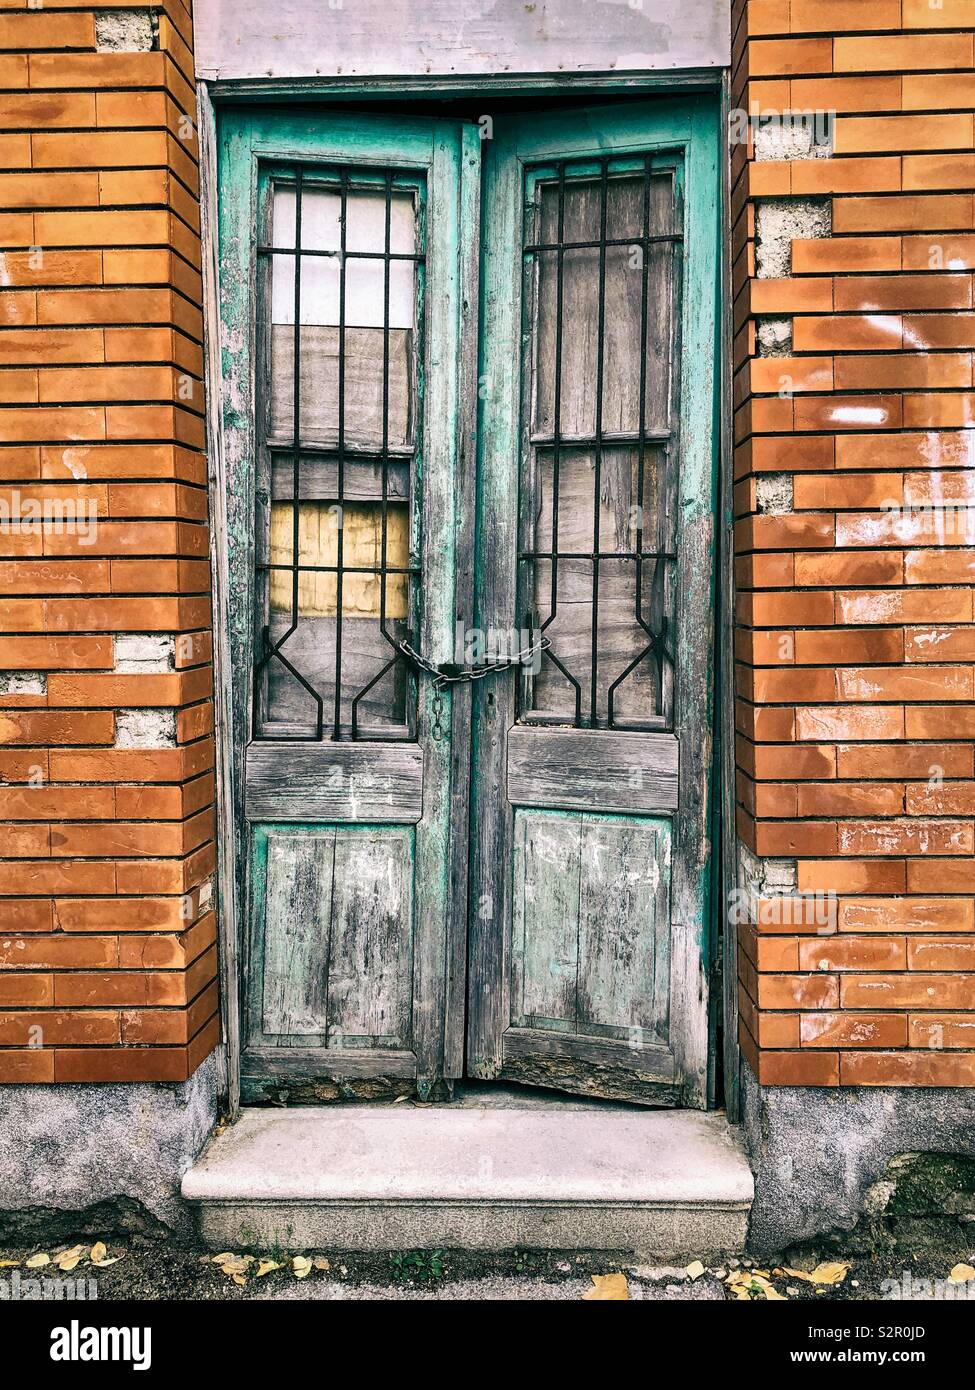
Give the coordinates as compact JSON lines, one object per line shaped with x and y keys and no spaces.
{"x":99,"y":1159}
{"x":859,"y":1166}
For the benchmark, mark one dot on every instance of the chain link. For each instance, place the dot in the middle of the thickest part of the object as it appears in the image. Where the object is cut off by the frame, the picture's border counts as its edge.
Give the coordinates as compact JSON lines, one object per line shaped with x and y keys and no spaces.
{"x":448,"y":673}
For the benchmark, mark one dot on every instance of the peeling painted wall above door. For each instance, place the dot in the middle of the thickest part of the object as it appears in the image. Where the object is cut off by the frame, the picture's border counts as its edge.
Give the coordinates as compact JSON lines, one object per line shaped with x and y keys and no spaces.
{"x":392,"y":38}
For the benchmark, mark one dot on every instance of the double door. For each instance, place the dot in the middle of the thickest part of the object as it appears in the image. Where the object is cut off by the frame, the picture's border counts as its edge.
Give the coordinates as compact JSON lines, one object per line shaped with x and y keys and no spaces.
{"x":468,"y":411}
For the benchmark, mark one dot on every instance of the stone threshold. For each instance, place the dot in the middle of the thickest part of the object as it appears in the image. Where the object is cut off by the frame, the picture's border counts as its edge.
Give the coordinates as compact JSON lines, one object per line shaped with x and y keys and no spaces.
{"x":670,"y":1185}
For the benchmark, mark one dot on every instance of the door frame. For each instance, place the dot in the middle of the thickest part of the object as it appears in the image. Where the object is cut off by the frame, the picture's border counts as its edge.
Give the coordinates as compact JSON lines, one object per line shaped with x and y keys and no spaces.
{"x":231,"y":897}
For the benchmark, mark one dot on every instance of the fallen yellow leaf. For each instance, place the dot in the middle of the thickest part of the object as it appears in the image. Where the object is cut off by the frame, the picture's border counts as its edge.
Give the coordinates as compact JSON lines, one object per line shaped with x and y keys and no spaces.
{"x":961,"y":1274}
{"x":67,"y":1260}
{"x":301,"y":1265}
{"x":266,"y":1266}
{"x":98,"y":1252}
{"x":608,"y":1286}
{"x":753,"y":1284}
{"x":36,"y":1261}
{"x":694,"y":1270}
{"x":321,"y":1263}
{"x":833,"y":1273}
{"x":9,"y":1264}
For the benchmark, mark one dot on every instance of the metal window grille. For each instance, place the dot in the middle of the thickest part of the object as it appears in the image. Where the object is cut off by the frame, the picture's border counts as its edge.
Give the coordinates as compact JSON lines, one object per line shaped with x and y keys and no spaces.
{"x":336,"y":712}
{"x":591,"y":699}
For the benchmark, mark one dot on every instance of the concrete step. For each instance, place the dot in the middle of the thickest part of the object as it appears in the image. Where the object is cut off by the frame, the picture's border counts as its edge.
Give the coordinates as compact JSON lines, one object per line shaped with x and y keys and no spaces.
{"x":672,"y":1185}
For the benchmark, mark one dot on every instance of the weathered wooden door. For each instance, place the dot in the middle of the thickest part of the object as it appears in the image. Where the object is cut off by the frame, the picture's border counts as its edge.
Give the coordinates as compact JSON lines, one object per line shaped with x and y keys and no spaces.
{"x":596,"y":481}
{"x":343,"y":308}
{"x":577,"y":871}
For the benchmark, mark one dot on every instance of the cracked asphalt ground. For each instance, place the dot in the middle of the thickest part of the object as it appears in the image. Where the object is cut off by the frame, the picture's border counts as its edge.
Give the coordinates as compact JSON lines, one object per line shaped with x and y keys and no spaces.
{"x":153,"y":1269}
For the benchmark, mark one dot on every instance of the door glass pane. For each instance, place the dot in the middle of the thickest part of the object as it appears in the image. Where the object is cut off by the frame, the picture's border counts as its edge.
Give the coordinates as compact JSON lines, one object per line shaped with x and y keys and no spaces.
{"x":337,"y":528}
{"x":601,"y":278}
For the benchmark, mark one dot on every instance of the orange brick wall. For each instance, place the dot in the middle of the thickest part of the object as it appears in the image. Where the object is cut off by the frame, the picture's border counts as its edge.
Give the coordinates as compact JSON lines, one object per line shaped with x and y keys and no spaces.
{"x":855,"y":641}
{"x":107,"y":937}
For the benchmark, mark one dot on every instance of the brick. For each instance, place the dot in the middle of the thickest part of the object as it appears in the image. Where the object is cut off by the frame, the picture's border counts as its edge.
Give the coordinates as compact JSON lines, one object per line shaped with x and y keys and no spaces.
{"x":19,"y":1065}
{"x":930,"y":213}
{"x":779,"y":57}
{"x":917,"y":991}
{"x":907,"y":1069}
{"x":835,"y":953}
{"x":53,"y":1026}
{"x":941,"y":1030}
{"x":914,"y":914}
{"x":852,"y":1029}
{"x":95,"y":1064}
{"x":21,"y":32}
{"x":936,"y":954}
{"x":900,"y":52}
{"x":806,"y":1068}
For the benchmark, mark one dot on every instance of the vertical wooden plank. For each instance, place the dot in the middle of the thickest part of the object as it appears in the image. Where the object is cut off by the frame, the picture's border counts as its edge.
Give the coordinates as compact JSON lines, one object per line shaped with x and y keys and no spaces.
{"x":726,"y":954}
{"x":297,"y":929}
{"x":624,"y":927}
{"x":545,"y":918}
{"x":370,"y":995}
{"x":229,"y":798}
{"x":455,"y":1007}
{"x":693,"y":698}
{"x":494,"y":705}
{"x":439,"y":480}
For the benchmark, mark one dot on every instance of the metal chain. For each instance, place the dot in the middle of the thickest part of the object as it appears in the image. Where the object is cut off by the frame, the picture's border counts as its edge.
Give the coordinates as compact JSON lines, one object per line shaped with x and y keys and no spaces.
{"x":449,"y":673}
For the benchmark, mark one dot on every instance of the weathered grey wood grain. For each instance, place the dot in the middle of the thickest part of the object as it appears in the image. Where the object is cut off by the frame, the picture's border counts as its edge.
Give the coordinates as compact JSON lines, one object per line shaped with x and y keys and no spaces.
{"x":335,"y":782}
{"x":624,"y":925}
{"x":545,"y":919}
{"x":297,"y":929}
{"x":592,"y":770}
{"x":229,"y":797}
{"x":311,"y":649}
{"x":318,"y":474}
{"x":370,"y":993}
{"x":363,"y":405}
{"x":655,"y":1060}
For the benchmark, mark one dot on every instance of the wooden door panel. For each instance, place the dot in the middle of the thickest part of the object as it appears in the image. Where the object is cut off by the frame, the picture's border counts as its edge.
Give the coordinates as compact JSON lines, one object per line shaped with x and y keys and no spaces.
{"x":297,"y":905}
{"x":588,"y":770}
{"x":591,"y":928}
{"x":347,"y":782}
{"x":333,"y":941}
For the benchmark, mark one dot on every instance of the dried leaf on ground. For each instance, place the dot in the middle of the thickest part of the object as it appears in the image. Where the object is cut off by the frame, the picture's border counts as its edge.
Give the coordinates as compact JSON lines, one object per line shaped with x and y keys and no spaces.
{"x":265,"y":1267}
{"x":961,"y":1274}
{"x":832,"y":1272}
{"x":301,"y":1266}
{"x":67,"y":1260}
{"x":38,"y":1260}
{"x":747,"y":1285}
{"x":321,"y":1263}
{"x":694,"y":1270}
{"x":99,"y":1256}
{"x":607,"y":1287}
